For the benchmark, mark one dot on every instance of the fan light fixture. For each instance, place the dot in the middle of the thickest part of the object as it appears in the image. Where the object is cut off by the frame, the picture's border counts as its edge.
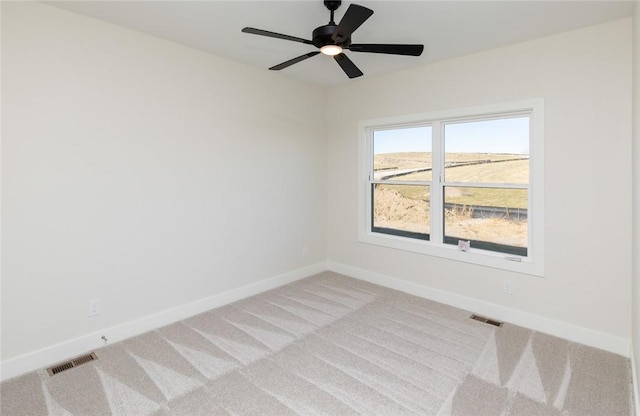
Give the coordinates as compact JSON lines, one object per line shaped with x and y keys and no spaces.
{"x":331,"y":50}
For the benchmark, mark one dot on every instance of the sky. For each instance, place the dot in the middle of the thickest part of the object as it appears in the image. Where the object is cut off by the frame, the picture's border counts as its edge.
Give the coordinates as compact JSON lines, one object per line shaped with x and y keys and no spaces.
{"x":507,"y":135}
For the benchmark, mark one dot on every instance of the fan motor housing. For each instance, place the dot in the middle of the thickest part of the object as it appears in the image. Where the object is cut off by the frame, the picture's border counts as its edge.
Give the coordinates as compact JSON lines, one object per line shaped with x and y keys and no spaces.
{"x":322,"y":36}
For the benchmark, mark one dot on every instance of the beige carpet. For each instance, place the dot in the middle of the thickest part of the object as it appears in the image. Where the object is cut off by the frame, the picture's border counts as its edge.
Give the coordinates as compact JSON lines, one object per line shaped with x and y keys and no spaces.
{"x":331,"y":345}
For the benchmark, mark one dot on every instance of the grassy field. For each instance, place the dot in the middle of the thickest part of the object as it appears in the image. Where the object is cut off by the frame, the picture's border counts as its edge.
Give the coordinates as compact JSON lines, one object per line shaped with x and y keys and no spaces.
{"x":407,"y":160}
{"x":406,"y":207}
{"x":401,"y":160}
{"x":503,"y":170}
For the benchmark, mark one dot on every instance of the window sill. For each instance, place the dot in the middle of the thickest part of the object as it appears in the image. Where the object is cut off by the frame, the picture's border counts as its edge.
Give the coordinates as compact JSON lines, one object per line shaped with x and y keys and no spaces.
{"x":478,"y":257}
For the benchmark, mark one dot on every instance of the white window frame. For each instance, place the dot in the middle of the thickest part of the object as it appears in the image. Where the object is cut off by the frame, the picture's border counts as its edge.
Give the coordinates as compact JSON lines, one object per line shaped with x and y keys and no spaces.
{"x":533,"y":262}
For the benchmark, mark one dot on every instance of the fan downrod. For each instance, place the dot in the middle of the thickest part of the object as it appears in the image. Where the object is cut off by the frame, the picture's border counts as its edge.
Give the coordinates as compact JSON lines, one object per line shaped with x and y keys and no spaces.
{"x":332,"y":5}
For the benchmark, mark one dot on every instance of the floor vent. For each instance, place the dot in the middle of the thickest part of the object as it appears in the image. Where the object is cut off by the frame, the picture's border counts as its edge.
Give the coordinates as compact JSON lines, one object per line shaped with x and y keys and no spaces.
{"x":486,"y":320}
{"x":67,"y":365}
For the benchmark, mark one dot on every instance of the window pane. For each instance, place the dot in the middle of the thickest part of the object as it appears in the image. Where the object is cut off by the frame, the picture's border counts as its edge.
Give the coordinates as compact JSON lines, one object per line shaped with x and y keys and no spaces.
{"x":401,"y":210}
{"x":494,"y":151}
{"x":492,"y":219}
{"x":402,"y":154}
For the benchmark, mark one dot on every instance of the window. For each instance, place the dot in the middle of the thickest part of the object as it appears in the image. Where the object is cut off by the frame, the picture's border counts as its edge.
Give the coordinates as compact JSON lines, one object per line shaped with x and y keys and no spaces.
{"x":464,"y":184}
{"x":401,"y":181}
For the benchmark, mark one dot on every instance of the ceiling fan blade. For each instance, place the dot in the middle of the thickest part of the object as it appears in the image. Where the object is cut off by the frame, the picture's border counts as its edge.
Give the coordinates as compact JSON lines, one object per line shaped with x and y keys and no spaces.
{"x":352,"y":19}
{"x":261,"y":32}
{"x":347,"y":66}
{"x":294,"y":61}
{"x":413,"y":50}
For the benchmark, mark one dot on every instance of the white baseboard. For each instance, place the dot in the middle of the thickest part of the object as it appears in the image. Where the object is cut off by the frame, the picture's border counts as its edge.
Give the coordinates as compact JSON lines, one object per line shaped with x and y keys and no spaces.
{"x":608,"y":342}
{"x":53,"y":354}
{"x":50,"y":355}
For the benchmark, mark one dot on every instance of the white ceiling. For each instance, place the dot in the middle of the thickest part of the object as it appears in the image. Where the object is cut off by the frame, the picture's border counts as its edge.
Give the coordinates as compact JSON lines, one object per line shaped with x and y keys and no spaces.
{"x":446,"y":28}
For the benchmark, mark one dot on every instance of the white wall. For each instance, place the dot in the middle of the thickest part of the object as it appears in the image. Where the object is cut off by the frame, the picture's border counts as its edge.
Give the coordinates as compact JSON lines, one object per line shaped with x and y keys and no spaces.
{"x":635,"y":322}
{"x":584,"y":77}
{"x":144,"y":173}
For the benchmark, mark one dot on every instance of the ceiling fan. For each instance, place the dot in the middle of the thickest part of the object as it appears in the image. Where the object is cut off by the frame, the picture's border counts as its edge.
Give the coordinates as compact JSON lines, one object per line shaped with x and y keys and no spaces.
{"x":333,"y":39}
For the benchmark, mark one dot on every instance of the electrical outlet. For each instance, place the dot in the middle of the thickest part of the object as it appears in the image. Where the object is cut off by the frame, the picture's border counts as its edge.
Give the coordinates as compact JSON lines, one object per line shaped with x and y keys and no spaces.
{"x":94,"y":307}
{"x":506,"y":287}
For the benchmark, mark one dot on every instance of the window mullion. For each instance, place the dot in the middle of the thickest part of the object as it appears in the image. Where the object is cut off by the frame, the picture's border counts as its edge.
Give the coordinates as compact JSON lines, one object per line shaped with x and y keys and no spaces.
{"x":436,"y":191}
{"x":386,"y":182}
{"x":369,"y":178}
{"x":496,"y":185}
